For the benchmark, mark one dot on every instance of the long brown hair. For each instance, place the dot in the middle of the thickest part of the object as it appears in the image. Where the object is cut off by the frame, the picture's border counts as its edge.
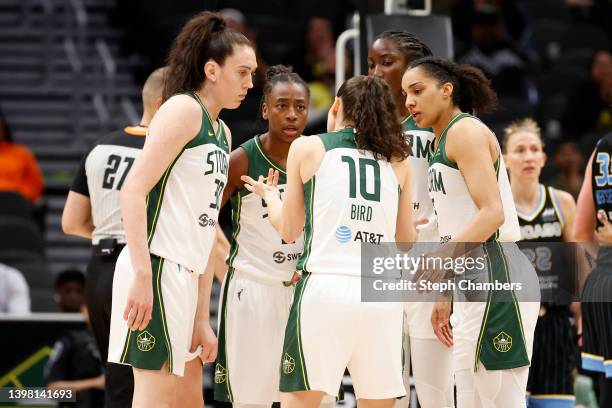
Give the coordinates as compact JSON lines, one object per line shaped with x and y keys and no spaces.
{"x":202,"y":38}
{"x":368,"y":105}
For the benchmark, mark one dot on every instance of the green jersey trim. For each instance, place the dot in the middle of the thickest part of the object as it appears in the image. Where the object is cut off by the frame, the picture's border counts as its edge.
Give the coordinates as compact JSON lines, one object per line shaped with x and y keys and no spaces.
{"x":160,"y":298}
{"x":207,"y":129}
{"x":222,"y":386}
{"x":156,"y":195}
{"x":267,"y":158}
{"x":438,"y":153}
{"x":309,"y":188}
{"x":497,"y":164}
{"x":293,"y":370}
{"x":339,"y":139}
{"x":236,"y":201}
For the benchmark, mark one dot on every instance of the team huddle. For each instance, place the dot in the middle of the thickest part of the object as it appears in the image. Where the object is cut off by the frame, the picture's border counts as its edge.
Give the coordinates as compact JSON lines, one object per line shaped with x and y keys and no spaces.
{"x":404,"y":160}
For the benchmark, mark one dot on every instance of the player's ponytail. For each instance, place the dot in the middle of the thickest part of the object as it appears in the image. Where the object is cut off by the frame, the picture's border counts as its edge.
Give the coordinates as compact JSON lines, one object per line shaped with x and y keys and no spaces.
{"x":472,"y":91}
{"x":368,"y":105}
{"x":202,"y":38}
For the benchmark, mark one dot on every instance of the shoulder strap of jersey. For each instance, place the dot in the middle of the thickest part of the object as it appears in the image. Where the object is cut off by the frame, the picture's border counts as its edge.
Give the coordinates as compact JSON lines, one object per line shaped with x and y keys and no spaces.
{"x":342,"y":138}
{"x":552,"y":193}
{"x":262,"y":155}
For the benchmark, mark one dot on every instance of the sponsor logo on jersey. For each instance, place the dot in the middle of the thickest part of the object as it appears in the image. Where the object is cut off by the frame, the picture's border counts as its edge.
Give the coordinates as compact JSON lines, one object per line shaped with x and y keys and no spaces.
{"x":211,"y":133}
{"x":502,"y":342}
{"x":145,"y":341}
{"x":206,"y":221}
{"x":368,"y":237}
{"x":279,"y":257}
{"x":549,"y":214}
{"x":288,"y":364}
{"x":220,"y":374}
{"x":343,"y":234}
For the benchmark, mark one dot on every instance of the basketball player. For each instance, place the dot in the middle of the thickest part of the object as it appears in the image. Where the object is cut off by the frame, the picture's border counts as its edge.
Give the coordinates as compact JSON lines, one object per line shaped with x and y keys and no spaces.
{"x":388,"y":58}
{"x":93,"y":211}
{"x":331,"y":177}
{"x":593,"y":215}
{"x":170,"y":203}
{"x":257,"y":292}
{"x":471,"y":194}
{"x":546,"y":217}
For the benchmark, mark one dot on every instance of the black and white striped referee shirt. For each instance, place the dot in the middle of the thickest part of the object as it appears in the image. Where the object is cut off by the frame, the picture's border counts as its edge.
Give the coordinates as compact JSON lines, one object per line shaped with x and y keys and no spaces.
{"x":101,"y":174}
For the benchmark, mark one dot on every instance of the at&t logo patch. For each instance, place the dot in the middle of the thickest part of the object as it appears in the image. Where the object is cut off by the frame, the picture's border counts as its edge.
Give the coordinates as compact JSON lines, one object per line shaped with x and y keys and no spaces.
{"x":343,"y":234}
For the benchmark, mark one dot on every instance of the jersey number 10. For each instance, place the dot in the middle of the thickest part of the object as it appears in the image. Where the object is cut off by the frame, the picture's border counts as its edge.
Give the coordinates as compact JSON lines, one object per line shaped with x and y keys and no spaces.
{"x":363,"y":173}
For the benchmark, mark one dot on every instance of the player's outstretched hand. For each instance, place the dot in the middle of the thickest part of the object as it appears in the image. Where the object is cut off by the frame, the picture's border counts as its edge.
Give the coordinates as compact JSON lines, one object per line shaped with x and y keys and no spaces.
{"x":262,"y":186}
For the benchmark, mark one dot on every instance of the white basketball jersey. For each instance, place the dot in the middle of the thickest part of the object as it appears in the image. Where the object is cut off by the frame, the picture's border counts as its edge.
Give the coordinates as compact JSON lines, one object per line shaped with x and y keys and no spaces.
{"x":452,"y":202}
{"x":257,"y":248}
{"x":351,"y":199}
{"x":183,"y":207}
{"x":420,"y":141}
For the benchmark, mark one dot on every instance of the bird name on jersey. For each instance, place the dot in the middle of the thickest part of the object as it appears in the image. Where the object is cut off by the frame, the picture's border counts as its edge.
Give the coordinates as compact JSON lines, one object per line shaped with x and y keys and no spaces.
{"x":414,"y":141}
{"x":543,"y":230}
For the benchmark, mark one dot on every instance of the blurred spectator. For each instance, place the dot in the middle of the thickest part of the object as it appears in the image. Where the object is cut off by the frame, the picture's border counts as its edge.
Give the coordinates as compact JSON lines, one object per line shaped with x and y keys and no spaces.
{"x":70,"y":290}
{"x":19,"y":170}
{"x":320,"y":62}
{"x":75,"y":363}
{"x":464,"y":14}
{"x":592,"y":11}
{"x":569,"y":163}
{"x":14,"y":291}
{"x":493,"y":50}
{"x":590,"y":107}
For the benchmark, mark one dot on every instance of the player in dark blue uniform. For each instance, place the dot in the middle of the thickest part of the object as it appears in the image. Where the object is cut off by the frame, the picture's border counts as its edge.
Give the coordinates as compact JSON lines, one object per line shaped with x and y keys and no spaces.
{"x":546,"y":217}
{"x":593,"y":224}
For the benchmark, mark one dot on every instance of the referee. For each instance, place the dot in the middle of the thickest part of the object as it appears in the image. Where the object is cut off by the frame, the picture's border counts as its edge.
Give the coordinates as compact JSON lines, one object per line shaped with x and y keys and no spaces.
{"x":93,"y":211}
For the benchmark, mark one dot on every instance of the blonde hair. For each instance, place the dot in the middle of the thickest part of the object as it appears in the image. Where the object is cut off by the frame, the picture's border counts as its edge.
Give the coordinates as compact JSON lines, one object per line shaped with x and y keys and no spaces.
{"x":522,"y":125}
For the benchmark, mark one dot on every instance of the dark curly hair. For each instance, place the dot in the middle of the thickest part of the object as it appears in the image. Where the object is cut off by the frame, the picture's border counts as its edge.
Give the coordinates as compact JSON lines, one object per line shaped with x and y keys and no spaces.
{"x":472,"y":91}
{"x":202,"y":38}
{"x":368,"y":105}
